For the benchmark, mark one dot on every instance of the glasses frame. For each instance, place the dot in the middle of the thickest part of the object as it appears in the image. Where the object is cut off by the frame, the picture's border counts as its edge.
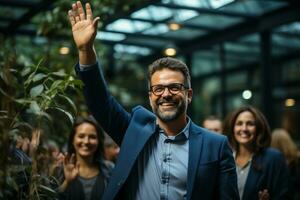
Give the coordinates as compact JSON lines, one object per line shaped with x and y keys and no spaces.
{"x":168,"y":86}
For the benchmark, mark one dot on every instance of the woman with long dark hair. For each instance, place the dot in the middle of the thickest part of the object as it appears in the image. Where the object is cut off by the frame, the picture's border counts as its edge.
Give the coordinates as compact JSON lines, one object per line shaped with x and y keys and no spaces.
{"x":85,"y":172}
{"x":261,"y":170}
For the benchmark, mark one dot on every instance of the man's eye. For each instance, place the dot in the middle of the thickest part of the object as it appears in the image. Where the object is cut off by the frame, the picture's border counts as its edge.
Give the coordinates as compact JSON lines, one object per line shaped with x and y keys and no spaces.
{"x":175,"y":88}
{"x":158,"y":89}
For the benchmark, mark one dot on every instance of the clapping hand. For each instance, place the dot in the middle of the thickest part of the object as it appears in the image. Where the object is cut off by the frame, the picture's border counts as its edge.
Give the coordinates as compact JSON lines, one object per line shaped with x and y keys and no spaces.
{"x":263,"y":195}
{"x":34,"y":142}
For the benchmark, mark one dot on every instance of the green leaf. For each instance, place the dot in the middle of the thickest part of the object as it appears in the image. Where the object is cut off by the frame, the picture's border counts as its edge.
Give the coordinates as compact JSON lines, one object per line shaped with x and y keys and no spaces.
{"x":3,"y":112}
{"x":46,"y":115}
{"x":22,"y":126}
{"x":34,"y":107}
{"x":56,"y":84}
{"x":37,"y":90}
{"x":26,"y":71}
{"x":22,"y":101}
{"x":46,"y":190}
{"x":30,"y":77}
{"x":66,"y":113}
{"x":70,"y":102}
{"x":3,"y":92}
{"x":78,"y":82}
{"x":38,"y":77}
{"x":59,"y":73}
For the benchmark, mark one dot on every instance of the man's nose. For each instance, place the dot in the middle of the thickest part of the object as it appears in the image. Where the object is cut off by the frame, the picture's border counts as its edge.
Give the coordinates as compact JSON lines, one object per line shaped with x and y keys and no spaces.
{"x":166,"y":92}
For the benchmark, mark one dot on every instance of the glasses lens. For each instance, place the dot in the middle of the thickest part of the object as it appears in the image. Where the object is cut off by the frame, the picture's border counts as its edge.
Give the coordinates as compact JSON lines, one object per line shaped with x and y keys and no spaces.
{"x":158,"y":89}
{"x":173,"y":88}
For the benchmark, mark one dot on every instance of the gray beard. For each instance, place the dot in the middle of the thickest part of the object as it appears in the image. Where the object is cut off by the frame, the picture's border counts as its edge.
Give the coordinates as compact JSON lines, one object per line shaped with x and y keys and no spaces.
{"x":168,"y":117}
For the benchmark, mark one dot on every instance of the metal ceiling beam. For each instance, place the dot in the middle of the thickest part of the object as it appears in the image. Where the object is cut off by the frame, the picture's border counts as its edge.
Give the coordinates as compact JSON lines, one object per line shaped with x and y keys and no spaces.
{"x":17,"y":3}
{"x":128,"y":43}
{"x":167,"y":21}
{"x":249,"y":66}
{"x":266,"y":22}
{"x":287,"y":34}
{"x":33,"y":33}
{"x":140,"y":35}
{"x":15,"y":24}
{"x":208,"y":11}
{"x":124,"y":14}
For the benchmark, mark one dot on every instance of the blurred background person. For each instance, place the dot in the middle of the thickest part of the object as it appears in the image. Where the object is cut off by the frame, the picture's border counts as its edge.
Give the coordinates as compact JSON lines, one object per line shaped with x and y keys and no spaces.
{"x":282,"y":141}
{"x":111,"y":149}
{"x":55,"y":157}
{"x":262,"y":171}
{"x":85,"y":172}
{"x":20,"y":158}
{"x":213,"y":123}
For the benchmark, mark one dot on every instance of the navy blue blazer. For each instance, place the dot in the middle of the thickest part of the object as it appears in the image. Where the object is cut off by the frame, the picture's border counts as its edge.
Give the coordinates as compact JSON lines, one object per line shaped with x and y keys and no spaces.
{"x":211,"y":167}
{"x":268,"y":171}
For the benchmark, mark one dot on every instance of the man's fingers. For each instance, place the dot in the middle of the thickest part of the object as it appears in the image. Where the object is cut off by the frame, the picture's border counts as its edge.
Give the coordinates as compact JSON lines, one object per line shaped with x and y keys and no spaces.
{"x":75,"y":12}
{"x":89,"y":12}
{"x":71,"y":17}
{"x":95,"y":22}
{"x":80,"y":10}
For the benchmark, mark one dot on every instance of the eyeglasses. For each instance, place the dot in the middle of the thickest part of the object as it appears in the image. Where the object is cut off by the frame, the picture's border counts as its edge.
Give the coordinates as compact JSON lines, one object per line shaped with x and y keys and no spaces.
{"x":173,"y":88}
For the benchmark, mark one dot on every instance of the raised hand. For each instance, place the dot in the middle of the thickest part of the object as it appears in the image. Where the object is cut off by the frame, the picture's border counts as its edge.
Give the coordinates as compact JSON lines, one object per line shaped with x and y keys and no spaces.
{"x":35,"y":141}
{"x":263,"y":195}
{"x":71,"y":168}
{"x":84,"y":27}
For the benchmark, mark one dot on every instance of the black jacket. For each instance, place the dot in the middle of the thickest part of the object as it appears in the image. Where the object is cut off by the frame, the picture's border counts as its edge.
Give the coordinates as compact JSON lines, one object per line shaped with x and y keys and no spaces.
{"x":75,"y":191}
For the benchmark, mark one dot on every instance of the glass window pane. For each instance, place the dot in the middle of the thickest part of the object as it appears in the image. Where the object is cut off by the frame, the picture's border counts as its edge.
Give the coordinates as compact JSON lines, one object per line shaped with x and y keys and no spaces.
{"x":254,"y":7}
{"x":206,"y":95}
{"x":205,"y":61}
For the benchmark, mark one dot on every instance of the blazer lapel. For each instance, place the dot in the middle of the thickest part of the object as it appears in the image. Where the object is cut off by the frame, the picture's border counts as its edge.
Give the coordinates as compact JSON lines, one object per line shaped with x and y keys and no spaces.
{"x":253,"y":180}
{"x":132,"y":145}
{"x":195,"y":149}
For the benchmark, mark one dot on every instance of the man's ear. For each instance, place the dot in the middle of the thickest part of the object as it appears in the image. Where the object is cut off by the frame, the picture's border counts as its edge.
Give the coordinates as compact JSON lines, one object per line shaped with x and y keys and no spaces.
{"x":190,"y":95}
{"x":149,"y":97}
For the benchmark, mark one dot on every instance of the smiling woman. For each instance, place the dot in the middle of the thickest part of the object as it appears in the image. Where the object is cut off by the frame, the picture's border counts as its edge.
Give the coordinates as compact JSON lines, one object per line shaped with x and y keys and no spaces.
{"x":85,"y":172}
{"x":261,"y":170}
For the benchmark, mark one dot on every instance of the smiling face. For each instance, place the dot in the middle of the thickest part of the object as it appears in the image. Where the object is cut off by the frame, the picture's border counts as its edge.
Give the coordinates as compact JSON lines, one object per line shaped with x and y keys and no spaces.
{"x":167,"y":106}
{"x":85,"y":140}
{"x":245,"y":128}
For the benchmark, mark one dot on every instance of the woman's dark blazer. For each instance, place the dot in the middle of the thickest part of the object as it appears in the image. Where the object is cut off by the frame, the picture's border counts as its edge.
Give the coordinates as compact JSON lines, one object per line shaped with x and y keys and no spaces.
{"x":268,"y":171}
{"x":75,"y":191}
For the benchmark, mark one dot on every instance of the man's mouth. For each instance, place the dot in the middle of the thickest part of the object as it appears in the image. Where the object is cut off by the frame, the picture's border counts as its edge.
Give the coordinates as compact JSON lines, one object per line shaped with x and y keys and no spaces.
{"x":167,"y":104}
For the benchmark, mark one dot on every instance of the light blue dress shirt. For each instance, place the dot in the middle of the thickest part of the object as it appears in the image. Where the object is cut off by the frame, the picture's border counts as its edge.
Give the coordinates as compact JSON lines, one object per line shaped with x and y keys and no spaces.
{"x":162,"y":167}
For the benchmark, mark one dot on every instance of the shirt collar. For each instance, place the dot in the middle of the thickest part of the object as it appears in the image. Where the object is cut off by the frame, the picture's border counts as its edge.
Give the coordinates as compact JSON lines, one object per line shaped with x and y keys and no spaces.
{"x":182,"y":135}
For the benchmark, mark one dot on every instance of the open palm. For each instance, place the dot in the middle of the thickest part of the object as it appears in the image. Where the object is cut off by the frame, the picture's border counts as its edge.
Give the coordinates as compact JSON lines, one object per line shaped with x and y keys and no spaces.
{"x":84,"y":27}
{"x":71,"y":169}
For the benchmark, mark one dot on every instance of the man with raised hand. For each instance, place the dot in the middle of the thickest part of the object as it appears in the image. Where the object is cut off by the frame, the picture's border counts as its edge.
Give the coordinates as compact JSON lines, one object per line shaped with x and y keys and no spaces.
{"x":163,"y":154}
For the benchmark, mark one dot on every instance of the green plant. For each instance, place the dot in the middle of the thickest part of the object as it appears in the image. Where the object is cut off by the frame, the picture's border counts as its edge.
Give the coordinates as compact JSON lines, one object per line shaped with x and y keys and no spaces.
{"x":32,"y":97}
